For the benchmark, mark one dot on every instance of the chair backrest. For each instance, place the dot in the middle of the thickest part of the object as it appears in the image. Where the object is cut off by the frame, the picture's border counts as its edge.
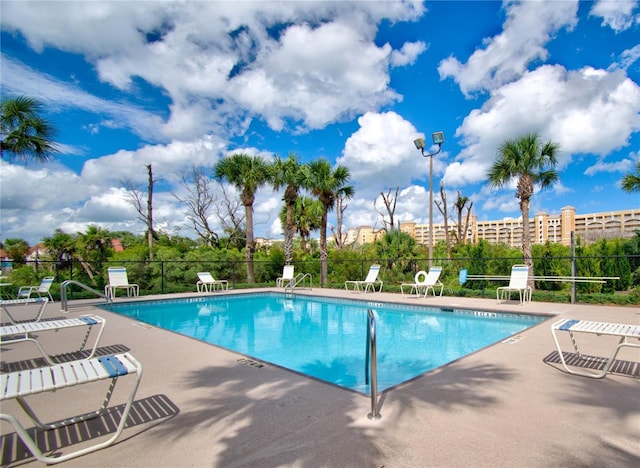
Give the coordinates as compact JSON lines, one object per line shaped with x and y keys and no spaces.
{"x":373,"y":274}
{"x":45,"y":284}
{"x":434,"y":275}
{"x":287,"y":272}
{"x":205,"y":277}
{"x":519,"y":277}
{"x":118,"y":276}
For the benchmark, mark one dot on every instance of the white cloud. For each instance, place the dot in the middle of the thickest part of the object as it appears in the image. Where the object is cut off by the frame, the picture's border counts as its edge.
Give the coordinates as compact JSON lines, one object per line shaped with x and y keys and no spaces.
{"x":413,"y":204}
{"x":380,"y":151}
{"x":627,"y":58}
{"x":585,"y":111}
{"x":110,"y":206}
{"x":529,"y":26}
{"x":361,"y":213}
{"x":214,"y":67}
{"x":36,"y":200}
{"x":168,"y":161}
{"x":221,"y":63}
{"x":317,"y":75}
{"x":19,"y":79}
{"x":616,"y":166}
{"x":51,"y":187}
{"x":618,"y":14}
{"x":407,"y":54}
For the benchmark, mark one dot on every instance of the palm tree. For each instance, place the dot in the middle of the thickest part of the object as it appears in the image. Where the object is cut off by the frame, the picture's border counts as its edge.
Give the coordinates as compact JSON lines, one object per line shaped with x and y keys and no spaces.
{"x":93,"y":249}
{"x":307,"y":214}
{"x":25,"y":134}
{"x":631,"y":181}
{"x":247,"y":174}
{"x":62,"y":247}
{"x":287,"y":173}
{"x":326,"y":184}
{"x":532,"y":163}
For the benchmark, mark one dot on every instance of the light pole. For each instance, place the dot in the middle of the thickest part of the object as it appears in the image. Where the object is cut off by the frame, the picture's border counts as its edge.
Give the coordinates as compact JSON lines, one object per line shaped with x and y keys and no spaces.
{"x":438,"y":139}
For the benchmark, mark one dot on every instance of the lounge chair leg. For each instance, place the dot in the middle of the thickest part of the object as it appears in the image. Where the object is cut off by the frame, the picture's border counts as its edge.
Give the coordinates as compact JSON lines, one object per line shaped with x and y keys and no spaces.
{"x":113,"y":369}
{"x":599,"y":329}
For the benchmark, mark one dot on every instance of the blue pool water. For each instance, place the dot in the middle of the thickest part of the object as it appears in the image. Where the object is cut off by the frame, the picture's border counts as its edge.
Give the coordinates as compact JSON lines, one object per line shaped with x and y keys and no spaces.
{"x":326,"y":338}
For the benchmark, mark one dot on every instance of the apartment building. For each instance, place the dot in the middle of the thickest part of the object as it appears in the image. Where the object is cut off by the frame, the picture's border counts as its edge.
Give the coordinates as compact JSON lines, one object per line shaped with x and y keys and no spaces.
{"x":543,"y":227}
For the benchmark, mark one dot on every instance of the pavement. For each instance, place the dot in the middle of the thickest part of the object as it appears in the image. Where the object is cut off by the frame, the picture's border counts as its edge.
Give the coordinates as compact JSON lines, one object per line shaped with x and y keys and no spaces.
{"x":198,"y":405}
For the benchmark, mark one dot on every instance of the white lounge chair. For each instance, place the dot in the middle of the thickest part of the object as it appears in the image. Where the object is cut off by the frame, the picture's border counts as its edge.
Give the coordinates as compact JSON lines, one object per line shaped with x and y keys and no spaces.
{"x":20,"y":332}
{"x":423,"y":282}
{"x":25,"y":292}
{"x":22,"y":384}
{"x":206,"y":282}
{"x":118,"y":280}
{"x":517,"y":282}
{"x":623,"y":331}
{"x":286,"y":278}
{"x":6,"y":304}
{"x":369,"y":282}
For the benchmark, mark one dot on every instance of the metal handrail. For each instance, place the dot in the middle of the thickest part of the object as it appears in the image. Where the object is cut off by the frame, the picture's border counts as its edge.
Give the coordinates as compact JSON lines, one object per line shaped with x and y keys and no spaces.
{"x":63,"y":293}
{"x":300,"y":278}
{"x":371,"y":370}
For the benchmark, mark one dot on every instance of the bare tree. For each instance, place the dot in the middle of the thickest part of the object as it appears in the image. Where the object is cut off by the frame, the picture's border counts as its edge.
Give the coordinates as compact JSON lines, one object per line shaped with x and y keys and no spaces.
{"x":390,"y":205}
{"x":230,"y":214}
{"x":135,"y":198}
{"x":200,"y":198}
{"x":442,"y":206}
{"x":341,"y":207}
{"x":460,"y":204}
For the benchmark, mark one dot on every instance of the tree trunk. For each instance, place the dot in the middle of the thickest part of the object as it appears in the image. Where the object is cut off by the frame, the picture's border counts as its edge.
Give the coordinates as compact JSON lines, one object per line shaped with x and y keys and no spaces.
{"x":289,"y":232}
{"x":390,"y":205}
{"x":466,"y":224}
{"x":341,"y":207}
{"x":526,"y":240}
{"x":444,"y":210}
{"x":323,"y":248}
{"x":150,"y":213}
{"x":288,"y":245}
{"x":249,"y":245}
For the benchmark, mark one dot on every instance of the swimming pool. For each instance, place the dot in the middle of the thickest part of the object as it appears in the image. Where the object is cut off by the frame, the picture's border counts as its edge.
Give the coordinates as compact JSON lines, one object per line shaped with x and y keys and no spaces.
{"x":326,"y":338}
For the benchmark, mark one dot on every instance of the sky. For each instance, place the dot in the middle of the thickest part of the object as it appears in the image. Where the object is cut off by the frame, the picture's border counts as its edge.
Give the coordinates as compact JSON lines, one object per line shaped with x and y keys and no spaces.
{"x":183,"y":84}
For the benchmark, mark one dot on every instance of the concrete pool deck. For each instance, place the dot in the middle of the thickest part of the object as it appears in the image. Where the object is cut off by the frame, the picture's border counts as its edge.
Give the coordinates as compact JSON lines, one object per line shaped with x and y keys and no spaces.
{"x":202,"y":406}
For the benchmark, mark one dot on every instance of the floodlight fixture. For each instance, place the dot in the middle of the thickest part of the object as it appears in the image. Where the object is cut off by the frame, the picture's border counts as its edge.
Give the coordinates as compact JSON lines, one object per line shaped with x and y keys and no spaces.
{"x":438,"y":139}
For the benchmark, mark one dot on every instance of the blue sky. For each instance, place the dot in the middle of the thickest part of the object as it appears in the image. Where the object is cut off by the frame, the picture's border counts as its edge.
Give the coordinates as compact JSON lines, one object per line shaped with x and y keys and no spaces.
{"x":173,"y":84}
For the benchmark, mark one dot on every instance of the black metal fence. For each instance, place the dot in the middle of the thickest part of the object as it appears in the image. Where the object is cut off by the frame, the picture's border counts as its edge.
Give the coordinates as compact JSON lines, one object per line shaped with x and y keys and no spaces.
{"x":171,"y":276}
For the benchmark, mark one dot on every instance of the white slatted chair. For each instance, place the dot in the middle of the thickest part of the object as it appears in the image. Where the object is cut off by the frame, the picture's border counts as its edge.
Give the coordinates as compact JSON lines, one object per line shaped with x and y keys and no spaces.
{"x":22,"y":332}
{"x":25,"y":292}
{"x":206,"y":282}
{"x":27,"y":383}
{"x":423,"y":282}
{"x":624,"y":331}
{"x":417,"y":288}
{"x":286,"y":278}
{"x":10,"y":303}
{"x":517,"y":282}
{"x":433,"y":281}
{"x":118,"y":280}
{"x":369,"y":282}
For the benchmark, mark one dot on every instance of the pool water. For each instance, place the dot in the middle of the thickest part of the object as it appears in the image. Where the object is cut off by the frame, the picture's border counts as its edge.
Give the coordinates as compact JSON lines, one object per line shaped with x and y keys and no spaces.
{"x":327,"y":338}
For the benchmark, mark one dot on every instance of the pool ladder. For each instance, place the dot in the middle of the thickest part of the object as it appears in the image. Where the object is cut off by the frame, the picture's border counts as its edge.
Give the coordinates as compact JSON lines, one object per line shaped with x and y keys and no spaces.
{"x":371,"y":365}
{"x":300,"y":282}
{"x":64,"y":303}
